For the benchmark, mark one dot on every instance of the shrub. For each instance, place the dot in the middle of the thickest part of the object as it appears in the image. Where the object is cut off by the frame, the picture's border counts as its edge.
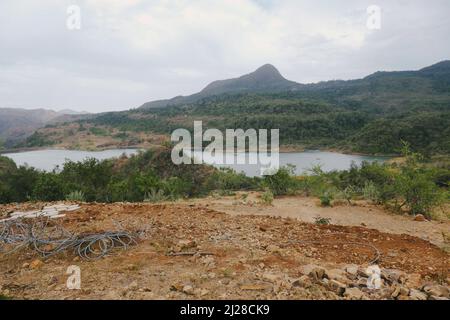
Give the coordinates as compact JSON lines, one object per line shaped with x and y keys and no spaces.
{"x":48,"y":187}
{"x":76,"y":196}
{"x":155,"y":196}
{"x":267,"y":198}
{"x":326,"y":198}
{"x":370,"y":192}
{"x":322,"y":221}
{"x":415,"y":185}
{"x":282,"y":182}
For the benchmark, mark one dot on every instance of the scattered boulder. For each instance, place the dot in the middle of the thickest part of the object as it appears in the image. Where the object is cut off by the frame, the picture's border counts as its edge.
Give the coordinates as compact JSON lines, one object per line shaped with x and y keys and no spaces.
{"x":352,"y":269}
{"x":304,"y":282}
{"x":419,"y":217}
{"x":436,"y":290}
{"x":186,"y":244}
{"x":188,"y":289}
{"x":417,"y":295}
{"x":399,"y":291}
{"x":353,"y":294}
{"x":413,"y":280}
{"x":337,"y":287}
{"x":336,"y":274}
{"x":271,"y":277}
{"x":393,"y":275}
{"x":273,"y":248}
{"x":318,"y":273}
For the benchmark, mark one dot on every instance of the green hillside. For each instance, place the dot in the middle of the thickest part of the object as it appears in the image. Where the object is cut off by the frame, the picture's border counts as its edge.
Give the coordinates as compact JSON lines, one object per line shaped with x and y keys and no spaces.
{"x":371,"y":115}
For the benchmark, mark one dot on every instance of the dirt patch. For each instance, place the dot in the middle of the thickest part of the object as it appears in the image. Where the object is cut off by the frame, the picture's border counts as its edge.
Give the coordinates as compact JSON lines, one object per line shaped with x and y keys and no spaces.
{"x":245,"y":257}
{"x":307,"y":209}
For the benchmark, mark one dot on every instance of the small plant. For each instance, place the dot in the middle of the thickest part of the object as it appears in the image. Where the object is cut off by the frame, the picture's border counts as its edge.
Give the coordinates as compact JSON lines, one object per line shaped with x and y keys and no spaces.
{"x":326,"y":198}
{"x":349,"y":193}
{"x":267,"y":198}
{"x":76,"y":196}
{"x":155,"y":195}
{"x":322,"y":221}
{"x":370,"y":192}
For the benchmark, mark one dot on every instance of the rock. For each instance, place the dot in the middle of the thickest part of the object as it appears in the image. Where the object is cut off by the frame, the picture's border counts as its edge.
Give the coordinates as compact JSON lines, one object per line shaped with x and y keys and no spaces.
{"x":188,"y":289}
{"x":419,"y":217}
{"x":352,"y":269}
{"x":273,"y":248}
{"x":362,"y":282}
{"x":314,"y":271}
{"x":53,"y":281}
{"x":208,"y":261}
{"x":176,"y":287}
{"x":256,"y":287}
{"x":417,"y":295}
{"x":203,"y":292}
{"x":271,"y":277}
{"x":437,"y":298}
{"x":353,"y":294}
{"x":336,"y":274}
{"x":186,"y":244}
{"x":413,"y":280}
{"x":337,"y":287}
{"x":362,"y":272}
{"x":393,"y":275}
{"x":36,"y":264}
{"x":112,"y":295}
{"x":304,"y":282}
{"x":131,"y":267}
{"x":436,"y":290}
{"x":399,"y":291}
{"x":133,"y":286}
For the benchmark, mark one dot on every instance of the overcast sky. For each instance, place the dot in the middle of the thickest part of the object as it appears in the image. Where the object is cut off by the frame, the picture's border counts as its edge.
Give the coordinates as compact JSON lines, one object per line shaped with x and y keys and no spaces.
{"x":128,"y":52}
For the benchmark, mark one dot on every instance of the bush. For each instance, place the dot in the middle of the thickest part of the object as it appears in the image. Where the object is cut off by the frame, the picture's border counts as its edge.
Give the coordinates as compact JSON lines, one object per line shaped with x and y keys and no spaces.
{"x":48,"y":187}
{"x":282,"y":182}
{"x":155,"y":196}
{"x":370,"y":192}
{"x":76,"y":196}
{"x":326,"y":198}
{"x":322,"y":221}
{"x":226,"y":180}
{"x":267,"y":198}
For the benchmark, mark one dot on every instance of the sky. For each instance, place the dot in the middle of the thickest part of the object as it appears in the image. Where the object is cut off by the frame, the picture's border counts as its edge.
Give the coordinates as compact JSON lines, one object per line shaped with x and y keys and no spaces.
{"x":108,"y":55}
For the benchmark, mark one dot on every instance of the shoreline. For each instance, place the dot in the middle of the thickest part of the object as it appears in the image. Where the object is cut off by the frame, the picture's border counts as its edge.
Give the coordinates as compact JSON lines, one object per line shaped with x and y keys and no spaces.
{"x":283,"y":149}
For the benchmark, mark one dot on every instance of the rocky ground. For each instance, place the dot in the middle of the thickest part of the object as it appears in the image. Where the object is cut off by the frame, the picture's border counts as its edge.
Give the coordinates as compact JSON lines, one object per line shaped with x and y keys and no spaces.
{"x":191,"y":251}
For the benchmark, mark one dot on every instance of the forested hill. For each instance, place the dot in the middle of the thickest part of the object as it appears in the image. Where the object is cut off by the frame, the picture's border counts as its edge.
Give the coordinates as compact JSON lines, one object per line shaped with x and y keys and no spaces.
{"x":369,"y":115}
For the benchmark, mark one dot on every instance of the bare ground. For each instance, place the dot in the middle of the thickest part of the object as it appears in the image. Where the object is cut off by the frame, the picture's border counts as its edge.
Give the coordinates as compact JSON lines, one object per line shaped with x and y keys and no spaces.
{"x":242,"y":255}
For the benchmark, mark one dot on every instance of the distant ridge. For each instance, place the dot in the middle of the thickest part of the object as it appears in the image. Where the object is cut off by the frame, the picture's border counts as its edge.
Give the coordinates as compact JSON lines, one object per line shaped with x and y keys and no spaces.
{"x":266,"y":78}
{"x":17,"y":124}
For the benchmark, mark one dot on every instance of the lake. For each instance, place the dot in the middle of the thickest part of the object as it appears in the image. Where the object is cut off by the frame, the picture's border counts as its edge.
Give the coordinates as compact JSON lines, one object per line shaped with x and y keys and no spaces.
{"x":48,"y":159}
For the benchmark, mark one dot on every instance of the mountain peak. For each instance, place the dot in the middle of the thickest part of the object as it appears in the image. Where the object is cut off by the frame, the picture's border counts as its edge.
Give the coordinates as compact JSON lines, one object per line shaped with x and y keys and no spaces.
{"x":268,"y":71}
{"x":265,"y":78}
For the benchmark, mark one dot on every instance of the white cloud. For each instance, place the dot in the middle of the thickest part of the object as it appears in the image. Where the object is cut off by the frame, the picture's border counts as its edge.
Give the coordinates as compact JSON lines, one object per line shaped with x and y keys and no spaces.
{"x":132,"y":51}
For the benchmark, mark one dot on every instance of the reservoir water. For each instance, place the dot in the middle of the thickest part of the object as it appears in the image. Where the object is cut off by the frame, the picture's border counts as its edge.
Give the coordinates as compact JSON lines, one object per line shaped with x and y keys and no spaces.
{"x":48,"y":159}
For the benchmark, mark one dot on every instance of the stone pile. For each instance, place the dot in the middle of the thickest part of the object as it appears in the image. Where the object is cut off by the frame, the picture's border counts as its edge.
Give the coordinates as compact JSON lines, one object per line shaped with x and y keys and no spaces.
{"x":52,"y":212}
